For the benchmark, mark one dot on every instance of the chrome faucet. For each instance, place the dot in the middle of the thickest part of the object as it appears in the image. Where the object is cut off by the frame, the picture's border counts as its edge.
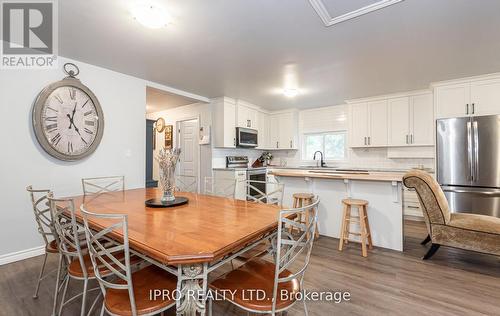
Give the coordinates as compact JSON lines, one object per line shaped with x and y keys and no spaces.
{"x":322,"y":161}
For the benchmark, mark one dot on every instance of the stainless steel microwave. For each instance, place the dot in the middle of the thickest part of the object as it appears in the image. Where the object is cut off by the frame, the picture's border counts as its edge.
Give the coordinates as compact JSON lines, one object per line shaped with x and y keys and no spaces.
{"x":246,"y":137}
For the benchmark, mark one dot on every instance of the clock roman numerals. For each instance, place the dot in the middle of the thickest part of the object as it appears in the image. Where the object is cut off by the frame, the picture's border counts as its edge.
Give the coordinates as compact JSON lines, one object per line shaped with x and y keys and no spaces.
{"x":70,"y":147}
{"x":51,"y":119}
{"x":51,"y":127}
{"x":56,"y":139}
{"x":88,"y":131}
{"x":72,"y":93}
{"x":90,"y":123}
{"x":49,"y":108}
{"x":87,"y":113}
{"x":85,"y":103}
{"x":58,"y":98}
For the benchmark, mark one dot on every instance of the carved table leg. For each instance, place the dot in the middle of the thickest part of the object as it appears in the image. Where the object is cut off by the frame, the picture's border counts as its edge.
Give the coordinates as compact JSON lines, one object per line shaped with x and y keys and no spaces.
{"x":192,"y":289}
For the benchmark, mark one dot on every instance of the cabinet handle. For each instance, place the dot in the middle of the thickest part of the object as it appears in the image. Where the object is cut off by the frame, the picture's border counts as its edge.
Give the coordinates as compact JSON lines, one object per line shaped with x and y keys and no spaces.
{"x":467,"y":108}
{"x":291,"y":144}
{"x":365,"y":140}
{"x":234,"y":141}
{"x":277,"y":145}
{"x":411,"y":138}
{"x":369,"y":140}
{"x":473,"y":108}
{"x":407,"y":139}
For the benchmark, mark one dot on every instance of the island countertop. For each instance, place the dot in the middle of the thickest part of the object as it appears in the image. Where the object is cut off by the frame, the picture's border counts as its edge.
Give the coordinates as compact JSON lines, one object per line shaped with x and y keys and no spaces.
{"x":342,"y":175}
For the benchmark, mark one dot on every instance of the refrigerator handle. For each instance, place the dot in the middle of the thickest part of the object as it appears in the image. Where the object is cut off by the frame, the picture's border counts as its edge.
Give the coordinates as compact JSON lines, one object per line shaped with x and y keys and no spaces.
{"x":476,"y":151}
{"x":469,"y":151}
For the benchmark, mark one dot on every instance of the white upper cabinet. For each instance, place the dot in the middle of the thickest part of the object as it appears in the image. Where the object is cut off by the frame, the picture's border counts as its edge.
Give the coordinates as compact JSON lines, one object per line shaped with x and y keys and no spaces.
{"x":485,"y":97}
{"x":368,"y":124}
{"x":453,"y":100}
{"x":264,"y":132}
{"x":476,"y":96}
{"x":224,"y":122}
{"x":358,"y":129}
{"x":411,"y":121}
{"x":378,"y":123}
{"x":422,"y":120}
{"x":247,"y":115}
{"x":399,"y":121}
{"x":283,"y":131}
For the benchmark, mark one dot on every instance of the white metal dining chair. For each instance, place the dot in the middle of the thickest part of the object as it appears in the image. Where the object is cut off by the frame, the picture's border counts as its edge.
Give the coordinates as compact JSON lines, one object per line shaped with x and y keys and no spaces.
{"x":99,"y":185}
{"x":281,"y":280}
{"x":264,"y":192}
{"x":43,"y":218}
{"x":220,"y":187}
{"x":186,"y":183}
{"x":73,"y":262}
{"x":125,"y":292}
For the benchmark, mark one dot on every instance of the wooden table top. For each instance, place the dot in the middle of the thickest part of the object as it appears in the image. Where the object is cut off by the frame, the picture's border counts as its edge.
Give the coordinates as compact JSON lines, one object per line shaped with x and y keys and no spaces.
{"x":205,"y":229}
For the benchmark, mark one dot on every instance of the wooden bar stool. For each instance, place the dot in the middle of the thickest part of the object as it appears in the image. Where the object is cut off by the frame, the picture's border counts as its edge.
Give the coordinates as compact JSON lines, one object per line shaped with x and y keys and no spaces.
{"x":362,"y":220}
{"x":300,"y":200}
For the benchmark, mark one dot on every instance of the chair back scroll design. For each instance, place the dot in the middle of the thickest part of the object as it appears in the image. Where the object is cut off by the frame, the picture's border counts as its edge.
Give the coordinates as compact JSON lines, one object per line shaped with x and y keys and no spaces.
{"x":99,"y":185}
{"x":289,"y":248}
{"x":43,"y":216}
{"x":255,"y":194}
{"x":70,"y":238}
{"x":110,"y":260}
{"x":185,"y":183}
{"x":220,"y":187}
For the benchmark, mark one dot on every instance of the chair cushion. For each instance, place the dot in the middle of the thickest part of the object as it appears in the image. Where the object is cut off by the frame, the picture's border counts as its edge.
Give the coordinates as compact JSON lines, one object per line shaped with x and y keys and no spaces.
{"x":257,"y":274}
{"x":144,"y":281}
{"x":52,"y":247}
{"x":475,"y":222}
{"x":75,"y":268}
{"x":469,"y":231}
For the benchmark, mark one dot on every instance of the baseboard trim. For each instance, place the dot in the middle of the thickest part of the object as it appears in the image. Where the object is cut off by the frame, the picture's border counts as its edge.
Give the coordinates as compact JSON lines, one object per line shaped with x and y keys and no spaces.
{"x":21,"y":255}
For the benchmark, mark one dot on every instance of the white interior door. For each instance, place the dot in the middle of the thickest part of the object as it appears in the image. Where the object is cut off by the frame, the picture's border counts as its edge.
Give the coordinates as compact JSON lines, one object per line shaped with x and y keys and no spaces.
{"x":188,"y":142}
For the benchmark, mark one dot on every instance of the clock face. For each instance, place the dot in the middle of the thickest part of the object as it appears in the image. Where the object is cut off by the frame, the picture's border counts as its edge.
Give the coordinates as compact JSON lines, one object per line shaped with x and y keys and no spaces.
{"x":68,"y":120}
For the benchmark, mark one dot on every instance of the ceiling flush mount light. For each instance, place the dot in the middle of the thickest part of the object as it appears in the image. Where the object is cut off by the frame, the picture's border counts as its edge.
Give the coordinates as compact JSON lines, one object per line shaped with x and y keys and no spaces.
{"x":290,"y":92}
{"x":150,"y":15}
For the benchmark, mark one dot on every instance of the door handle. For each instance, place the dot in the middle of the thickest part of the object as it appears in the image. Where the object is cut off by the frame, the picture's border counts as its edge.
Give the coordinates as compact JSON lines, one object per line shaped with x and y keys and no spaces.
{"x":469,"y":151}
{"x":473,"y":108}
{"x":491,"y":193}
{"x":467,"y":109}
{"x":476,"y":151}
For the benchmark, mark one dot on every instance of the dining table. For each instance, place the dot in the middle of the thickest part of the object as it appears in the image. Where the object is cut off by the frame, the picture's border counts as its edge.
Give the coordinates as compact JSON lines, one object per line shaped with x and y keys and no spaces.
{"x":190,"y":240}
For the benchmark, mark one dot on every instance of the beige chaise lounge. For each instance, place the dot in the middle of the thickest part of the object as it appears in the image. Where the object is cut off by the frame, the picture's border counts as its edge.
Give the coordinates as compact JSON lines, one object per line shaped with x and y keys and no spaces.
{"x":466,"y":231}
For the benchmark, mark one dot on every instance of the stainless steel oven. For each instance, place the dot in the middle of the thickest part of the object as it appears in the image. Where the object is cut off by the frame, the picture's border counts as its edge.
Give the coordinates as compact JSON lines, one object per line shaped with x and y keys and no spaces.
{"x":246,"y":137}
{"x":258,"y":176}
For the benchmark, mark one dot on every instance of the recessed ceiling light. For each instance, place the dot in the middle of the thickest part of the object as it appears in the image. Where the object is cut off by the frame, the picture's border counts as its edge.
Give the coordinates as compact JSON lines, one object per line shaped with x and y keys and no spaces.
{"x":150,"y":15}
{"x":290,"y":92}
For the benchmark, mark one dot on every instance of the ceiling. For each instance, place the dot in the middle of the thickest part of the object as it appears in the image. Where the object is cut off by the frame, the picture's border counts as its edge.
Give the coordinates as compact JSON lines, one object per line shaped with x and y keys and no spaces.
{"x":159,"y":100}
{"x":250,"y":49}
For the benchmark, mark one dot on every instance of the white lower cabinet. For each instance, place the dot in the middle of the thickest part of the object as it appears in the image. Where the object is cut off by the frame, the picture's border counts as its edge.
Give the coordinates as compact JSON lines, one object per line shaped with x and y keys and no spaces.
{"x":240,"y":175}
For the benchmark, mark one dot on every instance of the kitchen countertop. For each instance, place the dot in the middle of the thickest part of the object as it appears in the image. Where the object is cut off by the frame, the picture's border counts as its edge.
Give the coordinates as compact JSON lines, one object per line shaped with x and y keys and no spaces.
{"x":332,"y":174}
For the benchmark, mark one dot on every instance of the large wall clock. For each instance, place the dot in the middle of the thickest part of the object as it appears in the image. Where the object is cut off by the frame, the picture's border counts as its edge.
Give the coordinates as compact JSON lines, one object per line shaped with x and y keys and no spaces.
{"x":67,"y":118}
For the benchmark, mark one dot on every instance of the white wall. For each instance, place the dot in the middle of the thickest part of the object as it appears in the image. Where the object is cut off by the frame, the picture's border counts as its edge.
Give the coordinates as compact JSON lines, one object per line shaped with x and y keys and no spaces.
{"x":23,"y":162}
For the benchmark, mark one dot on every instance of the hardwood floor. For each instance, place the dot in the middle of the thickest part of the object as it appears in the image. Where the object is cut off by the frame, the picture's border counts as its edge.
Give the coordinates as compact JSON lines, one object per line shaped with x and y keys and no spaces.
{"x":453,"y":282}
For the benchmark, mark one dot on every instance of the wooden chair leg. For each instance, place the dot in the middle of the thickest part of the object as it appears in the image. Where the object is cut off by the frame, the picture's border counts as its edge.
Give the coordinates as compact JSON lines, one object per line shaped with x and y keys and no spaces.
{"x":364,"y":236}
{"x":343,"y":228}
{"x":426,"y":240}
{"x":370,"y":243}
{"x":291,"y":228}
{"x":432,"y":251}
{"x":348,"y":225}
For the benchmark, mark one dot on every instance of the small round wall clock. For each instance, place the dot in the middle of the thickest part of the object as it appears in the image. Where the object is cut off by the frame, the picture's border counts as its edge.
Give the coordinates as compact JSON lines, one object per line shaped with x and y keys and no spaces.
{"x":67,"y":118}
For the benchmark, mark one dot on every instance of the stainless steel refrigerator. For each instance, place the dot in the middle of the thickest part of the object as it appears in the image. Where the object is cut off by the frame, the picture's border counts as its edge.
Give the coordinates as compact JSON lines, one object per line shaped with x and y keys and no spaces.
{"x":468,"y":163}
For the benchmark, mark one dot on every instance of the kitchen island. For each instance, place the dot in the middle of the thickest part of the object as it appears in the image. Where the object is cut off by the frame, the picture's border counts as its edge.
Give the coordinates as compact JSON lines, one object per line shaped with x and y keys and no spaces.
{"x":383,"y":191}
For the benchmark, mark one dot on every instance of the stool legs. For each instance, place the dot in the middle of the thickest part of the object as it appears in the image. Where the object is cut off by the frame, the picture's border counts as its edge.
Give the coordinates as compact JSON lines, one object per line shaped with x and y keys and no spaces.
{"x":364,"y":234}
